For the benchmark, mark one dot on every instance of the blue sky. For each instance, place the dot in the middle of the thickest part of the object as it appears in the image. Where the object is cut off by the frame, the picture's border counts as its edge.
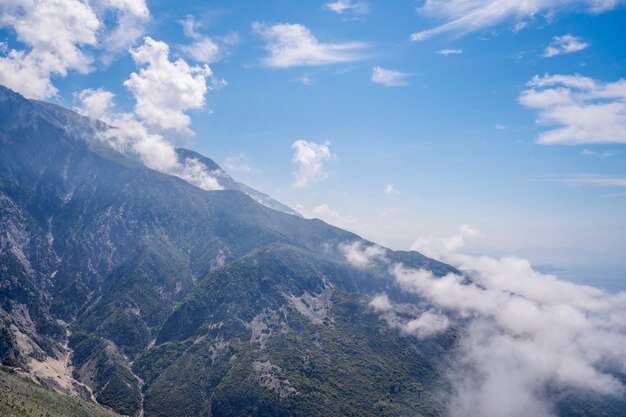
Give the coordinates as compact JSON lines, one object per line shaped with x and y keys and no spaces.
{"x":450,"y":119}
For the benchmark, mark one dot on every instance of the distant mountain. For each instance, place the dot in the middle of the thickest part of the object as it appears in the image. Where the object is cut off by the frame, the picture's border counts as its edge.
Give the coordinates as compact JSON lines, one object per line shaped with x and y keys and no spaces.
{"x":126,"y":286}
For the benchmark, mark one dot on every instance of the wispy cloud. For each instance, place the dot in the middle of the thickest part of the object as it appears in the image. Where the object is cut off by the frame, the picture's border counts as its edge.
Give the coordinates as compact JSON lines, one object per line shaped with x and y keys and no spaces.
{"x":600,"y":155}
{"x":310,"y":158}
{"x":292,"y":45}
{"x":390,"y":189}
{"x":581,"y":110}
{"x":469,"y":16}
{"x":205,"y":49}
{"x":563,"y":45}
{"x":595,"y":180}
{"x":348,"y":7}
{"x":239,"y":163}
{"x":446,"y":52}
{"x":389,"y":77}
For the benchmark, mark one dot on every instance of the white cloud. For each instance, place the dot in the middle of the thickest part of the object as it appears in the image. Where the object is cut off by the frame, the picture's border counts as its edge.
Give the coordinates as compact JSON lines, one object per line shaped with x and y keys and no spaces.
{"x":55,"y":33}
{"x":446,"y":52}
{"x":580,"y":110}
{"x":128,"y":135}
{"x":331,"y":216}
{"x":348,"y":6}
{"x":361,"y":255}
{"x":566,"y":44}
{"x":408,"y":319}
{"x":390,"y":189}
{"x":468,"y":16}
{"x":291,"y":45}
{"x":310,"y":158}
{"x":438,"y":247}
{"x":525,"y":332}
{"x":132,"y":16}
{"x":389,"y":77}
{"x":204,"y":48}
{"x":165,"y":89}
{"x":381,"y":303}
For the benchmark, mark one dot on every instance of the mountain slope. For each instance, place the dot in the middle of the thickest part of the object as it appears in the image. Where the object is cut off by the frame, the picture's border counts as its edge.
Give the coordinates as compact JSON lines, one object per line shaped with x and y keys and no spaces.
{"x":22,"y":398}
{"x":101,"y":256}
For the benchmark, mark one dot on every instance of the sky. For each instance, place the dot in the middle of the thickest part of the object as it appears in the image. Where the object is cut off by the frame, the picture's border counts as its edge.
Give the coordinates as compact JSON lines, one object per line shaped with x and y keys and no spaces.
{"x":397,"y":120}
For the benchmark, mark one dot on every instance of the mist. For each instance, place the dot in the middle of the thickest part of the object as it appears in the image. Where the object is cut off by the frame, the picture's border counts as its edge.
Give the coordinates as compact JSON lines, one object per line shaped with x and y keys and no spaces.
{"x":524,"y":333}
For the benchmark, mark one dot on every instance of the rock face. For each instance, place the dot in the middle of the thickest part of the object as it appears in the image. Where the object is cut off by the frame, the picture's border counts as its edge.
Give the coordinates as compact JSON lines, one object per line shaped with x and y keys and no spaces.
{"x":154,"y":297}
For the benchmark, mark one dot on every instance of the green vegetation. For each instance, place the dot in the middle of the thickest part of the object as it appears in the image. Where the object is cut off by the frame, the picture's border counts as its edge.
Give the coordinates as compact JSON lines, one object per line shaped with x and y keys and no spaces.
{"x":22,"y":398}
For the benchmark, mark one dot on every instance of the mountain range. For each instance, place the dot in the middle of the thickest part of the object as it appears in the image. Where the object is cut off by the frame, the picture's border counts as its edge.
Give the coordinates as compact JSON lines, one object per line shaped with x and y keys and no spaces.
{"x":137,"y":290}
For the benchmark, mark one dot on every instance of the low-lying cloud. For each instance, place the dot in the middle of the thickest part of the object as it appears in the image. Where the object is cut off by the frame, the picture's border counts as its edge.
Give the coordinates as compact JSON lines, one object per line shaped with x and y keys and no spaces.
{"x":524,"y":332}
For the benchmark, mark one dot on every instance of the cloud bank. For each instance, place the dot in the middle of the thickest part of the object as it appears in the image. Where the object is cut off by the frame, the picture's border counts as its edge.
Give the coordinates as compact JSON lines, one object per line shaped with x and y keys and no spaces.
{"x":524,"y":333}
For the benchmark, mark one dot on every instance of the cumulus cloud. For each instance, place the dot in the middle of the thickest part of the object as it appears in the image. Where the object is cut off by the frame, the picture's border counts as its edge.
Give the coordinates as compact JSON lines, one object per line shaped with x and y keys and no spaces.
{"x":292,"y":45}
{"x":165,"y":89}
{"x":347,"y":7}
{"x":525,"y":332}
{"x":389,"y":77}
{"x":468,"y":16}
{"x":563,"y":45}
{"x":446,"y":52}
{"x":310,"y":158}
{"x":55,"y":33}
{"x":53,"y":51}
{"x":579,"y":109}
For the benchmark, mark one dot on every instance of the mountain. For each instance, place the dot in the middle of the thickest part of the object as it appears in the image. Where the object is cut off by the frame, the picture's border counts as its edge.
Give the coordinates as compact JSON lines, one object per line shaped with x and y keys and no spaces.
{"x":126,"y":286}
